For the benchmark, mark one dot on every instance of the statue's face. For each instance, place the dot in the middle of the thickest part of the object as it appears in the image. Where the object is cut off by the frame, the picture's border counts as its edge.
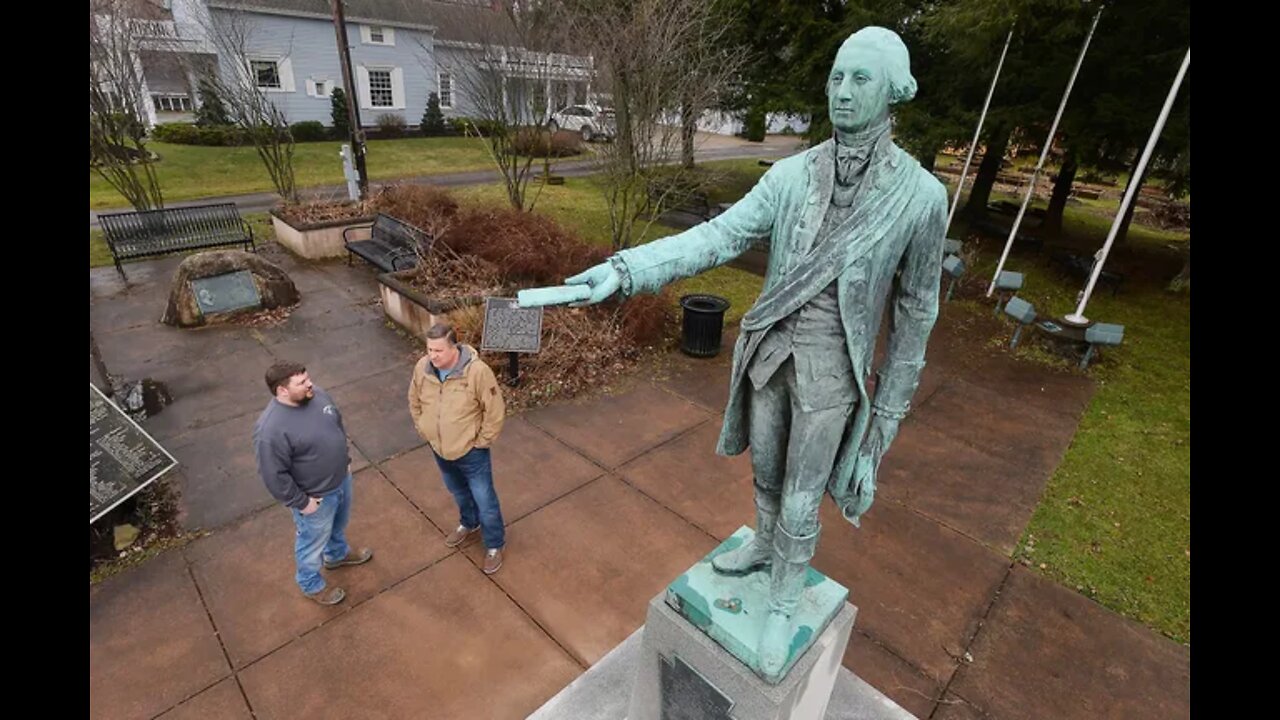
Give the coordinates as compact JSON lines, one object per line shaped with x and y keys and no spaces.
{"x":858,"y":88}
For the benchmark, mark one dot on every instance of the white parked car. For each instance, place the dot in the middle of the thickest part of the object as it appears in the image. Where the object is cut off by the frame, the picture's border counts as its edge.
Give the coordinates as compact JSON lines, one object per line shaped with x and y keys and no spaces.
{"x":589,"y":121}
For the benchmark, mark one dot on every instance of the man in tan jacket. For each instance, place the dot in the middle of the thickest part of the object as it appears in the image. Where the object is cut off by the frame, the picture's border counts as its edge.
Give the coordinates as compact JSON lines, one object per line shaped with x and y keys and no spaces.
{"x":457,"y":408}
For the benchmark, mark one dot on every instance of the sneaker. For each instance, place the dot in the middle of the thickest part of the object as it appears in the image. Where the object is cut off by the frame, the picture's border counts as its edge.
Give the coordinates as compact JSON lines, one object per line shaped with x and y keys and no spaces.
{"x":358,"y":557}
{"x":492,"y":560}
{"x":460,"y":535}
{"x":328,"y":596}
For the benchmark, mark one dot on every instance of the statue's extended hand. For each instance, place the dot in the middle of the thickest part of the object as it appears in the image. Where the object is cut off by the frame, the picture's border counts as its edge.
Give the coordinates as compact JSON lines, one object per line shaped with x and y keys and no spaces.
{"x":603,"y":279}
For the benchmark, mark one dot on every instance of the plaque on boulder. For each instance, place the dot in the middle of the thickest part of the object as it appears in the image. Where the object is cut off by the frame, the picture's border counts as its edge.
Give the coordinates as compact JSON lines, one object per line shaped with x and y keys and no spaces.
{"x":123,"y":458}
{"x":511,"y":328}
{"x":226,"y":293}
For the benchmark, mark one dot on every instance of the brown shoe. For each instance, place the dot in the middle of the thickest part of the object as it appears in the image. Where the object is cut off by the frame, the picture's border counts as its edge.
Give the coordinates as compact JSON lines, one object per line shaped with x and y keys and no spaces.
{"x":460,"y":535}
{"x":492,"y":560}
{"x":355,"y":557}
{"x":328,"y":596}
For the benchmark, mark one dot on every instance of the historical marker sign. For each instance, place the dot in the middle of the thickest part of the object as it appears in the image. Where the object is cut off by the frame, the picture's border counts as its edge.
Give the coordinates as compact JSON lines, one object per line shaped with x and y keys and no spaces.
{"x":123,"y":458}
{"x":511,"y":328}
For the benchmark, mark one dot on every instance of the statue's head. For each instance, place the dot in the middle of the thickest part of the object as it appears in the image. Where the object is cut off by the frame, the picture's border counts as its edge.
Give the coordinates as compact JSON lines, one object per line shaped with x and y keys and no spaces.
{"x":871,"y":72}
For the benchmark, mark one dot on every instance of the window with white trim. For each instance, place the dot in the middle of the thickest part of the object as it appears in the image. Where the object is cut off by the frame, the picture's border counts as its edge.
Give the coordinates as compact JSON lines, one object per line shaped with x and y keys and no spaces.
{"x":380,"y":93}
{"x":444,"y":81}
{"x":378,"y":35}
{"x":322,"y":88}
{"x":172,"y":103}
{"x":266,"y":74}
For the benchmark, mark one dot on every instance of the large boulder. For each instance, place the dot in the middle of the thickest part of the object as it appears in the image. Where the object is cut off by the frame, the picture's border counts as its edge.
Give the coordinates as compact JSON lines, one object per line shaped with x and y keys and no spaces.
{"x":274,"y":285}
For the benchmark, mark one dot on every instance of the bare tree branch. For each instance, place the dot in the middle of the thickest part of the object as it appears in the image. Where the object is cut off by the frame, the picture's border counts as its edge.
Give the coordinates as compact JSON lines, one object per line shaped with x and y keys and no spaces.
{"x":507,"y":59}
{"x":119,"y":32}
{"x":664,"y":62}
{"x":248,"y":106}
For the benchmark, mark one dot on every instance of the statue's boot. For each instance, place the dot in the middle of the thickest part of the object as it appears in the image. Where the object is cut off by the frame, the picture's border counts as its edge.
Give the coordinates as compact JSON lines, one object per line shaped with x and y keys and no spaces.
{"x":755,"y":553}
{"x":791,"y":555}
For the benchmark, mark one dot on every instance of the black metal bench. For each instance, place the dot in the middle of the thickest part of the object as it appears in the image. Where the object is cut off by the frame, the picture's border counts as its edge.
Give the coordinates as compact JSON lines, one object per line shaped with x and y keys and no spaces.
{"x":1081,"y":266}
{"x":1008,"y":207}
{"x":679,"y":195}
{"x":392,"y":245}
{"x":988,"y":226}
{"x":150,"y":233}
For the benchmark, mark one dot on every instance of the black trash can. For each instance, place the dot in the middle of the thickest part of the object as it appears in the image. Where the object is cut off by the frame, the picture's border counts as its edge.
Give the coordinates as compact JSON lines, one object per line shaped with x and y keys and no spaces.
{"x":703,"y":324}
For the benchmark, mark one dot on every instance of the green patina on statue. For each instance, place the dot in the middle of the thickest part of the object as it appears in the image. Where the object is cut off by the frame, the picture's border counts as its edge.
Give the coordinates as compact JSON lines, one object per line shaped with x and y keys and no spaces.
{"x":853,"y":223}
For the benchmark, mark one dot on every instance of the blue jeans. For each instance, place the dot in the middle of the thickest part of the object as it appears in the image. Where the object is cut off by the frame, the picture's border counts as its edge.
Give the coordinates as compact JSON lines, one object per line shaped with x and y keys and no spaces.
{"x":322,"y":535}
{"x":470,"y":479}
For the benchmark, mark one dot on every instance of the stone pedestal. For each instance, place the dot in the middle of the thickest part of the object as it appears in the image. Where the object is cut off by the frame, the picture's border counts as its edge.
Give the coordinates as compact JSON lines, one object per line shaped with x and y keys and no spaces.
{"x":732,"y":609}
{"x":603,"y":692}
{"x":694,"y":658}
{"x":682,"y":674}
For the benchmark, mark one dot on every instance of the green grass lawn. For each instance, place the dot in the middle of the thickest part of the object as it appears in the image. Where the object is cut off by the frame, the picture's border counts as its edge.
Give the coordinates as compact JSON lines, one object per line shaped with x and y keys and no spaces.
{"x":99,"y":254}
{"x":190,"y":171}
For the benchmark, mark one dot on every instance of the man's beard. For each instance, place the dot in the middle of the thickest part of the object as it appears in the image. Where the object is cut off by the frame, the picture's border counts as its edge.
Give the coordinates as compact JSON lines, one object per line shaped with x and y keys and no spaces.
{"x":305,"y":399}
